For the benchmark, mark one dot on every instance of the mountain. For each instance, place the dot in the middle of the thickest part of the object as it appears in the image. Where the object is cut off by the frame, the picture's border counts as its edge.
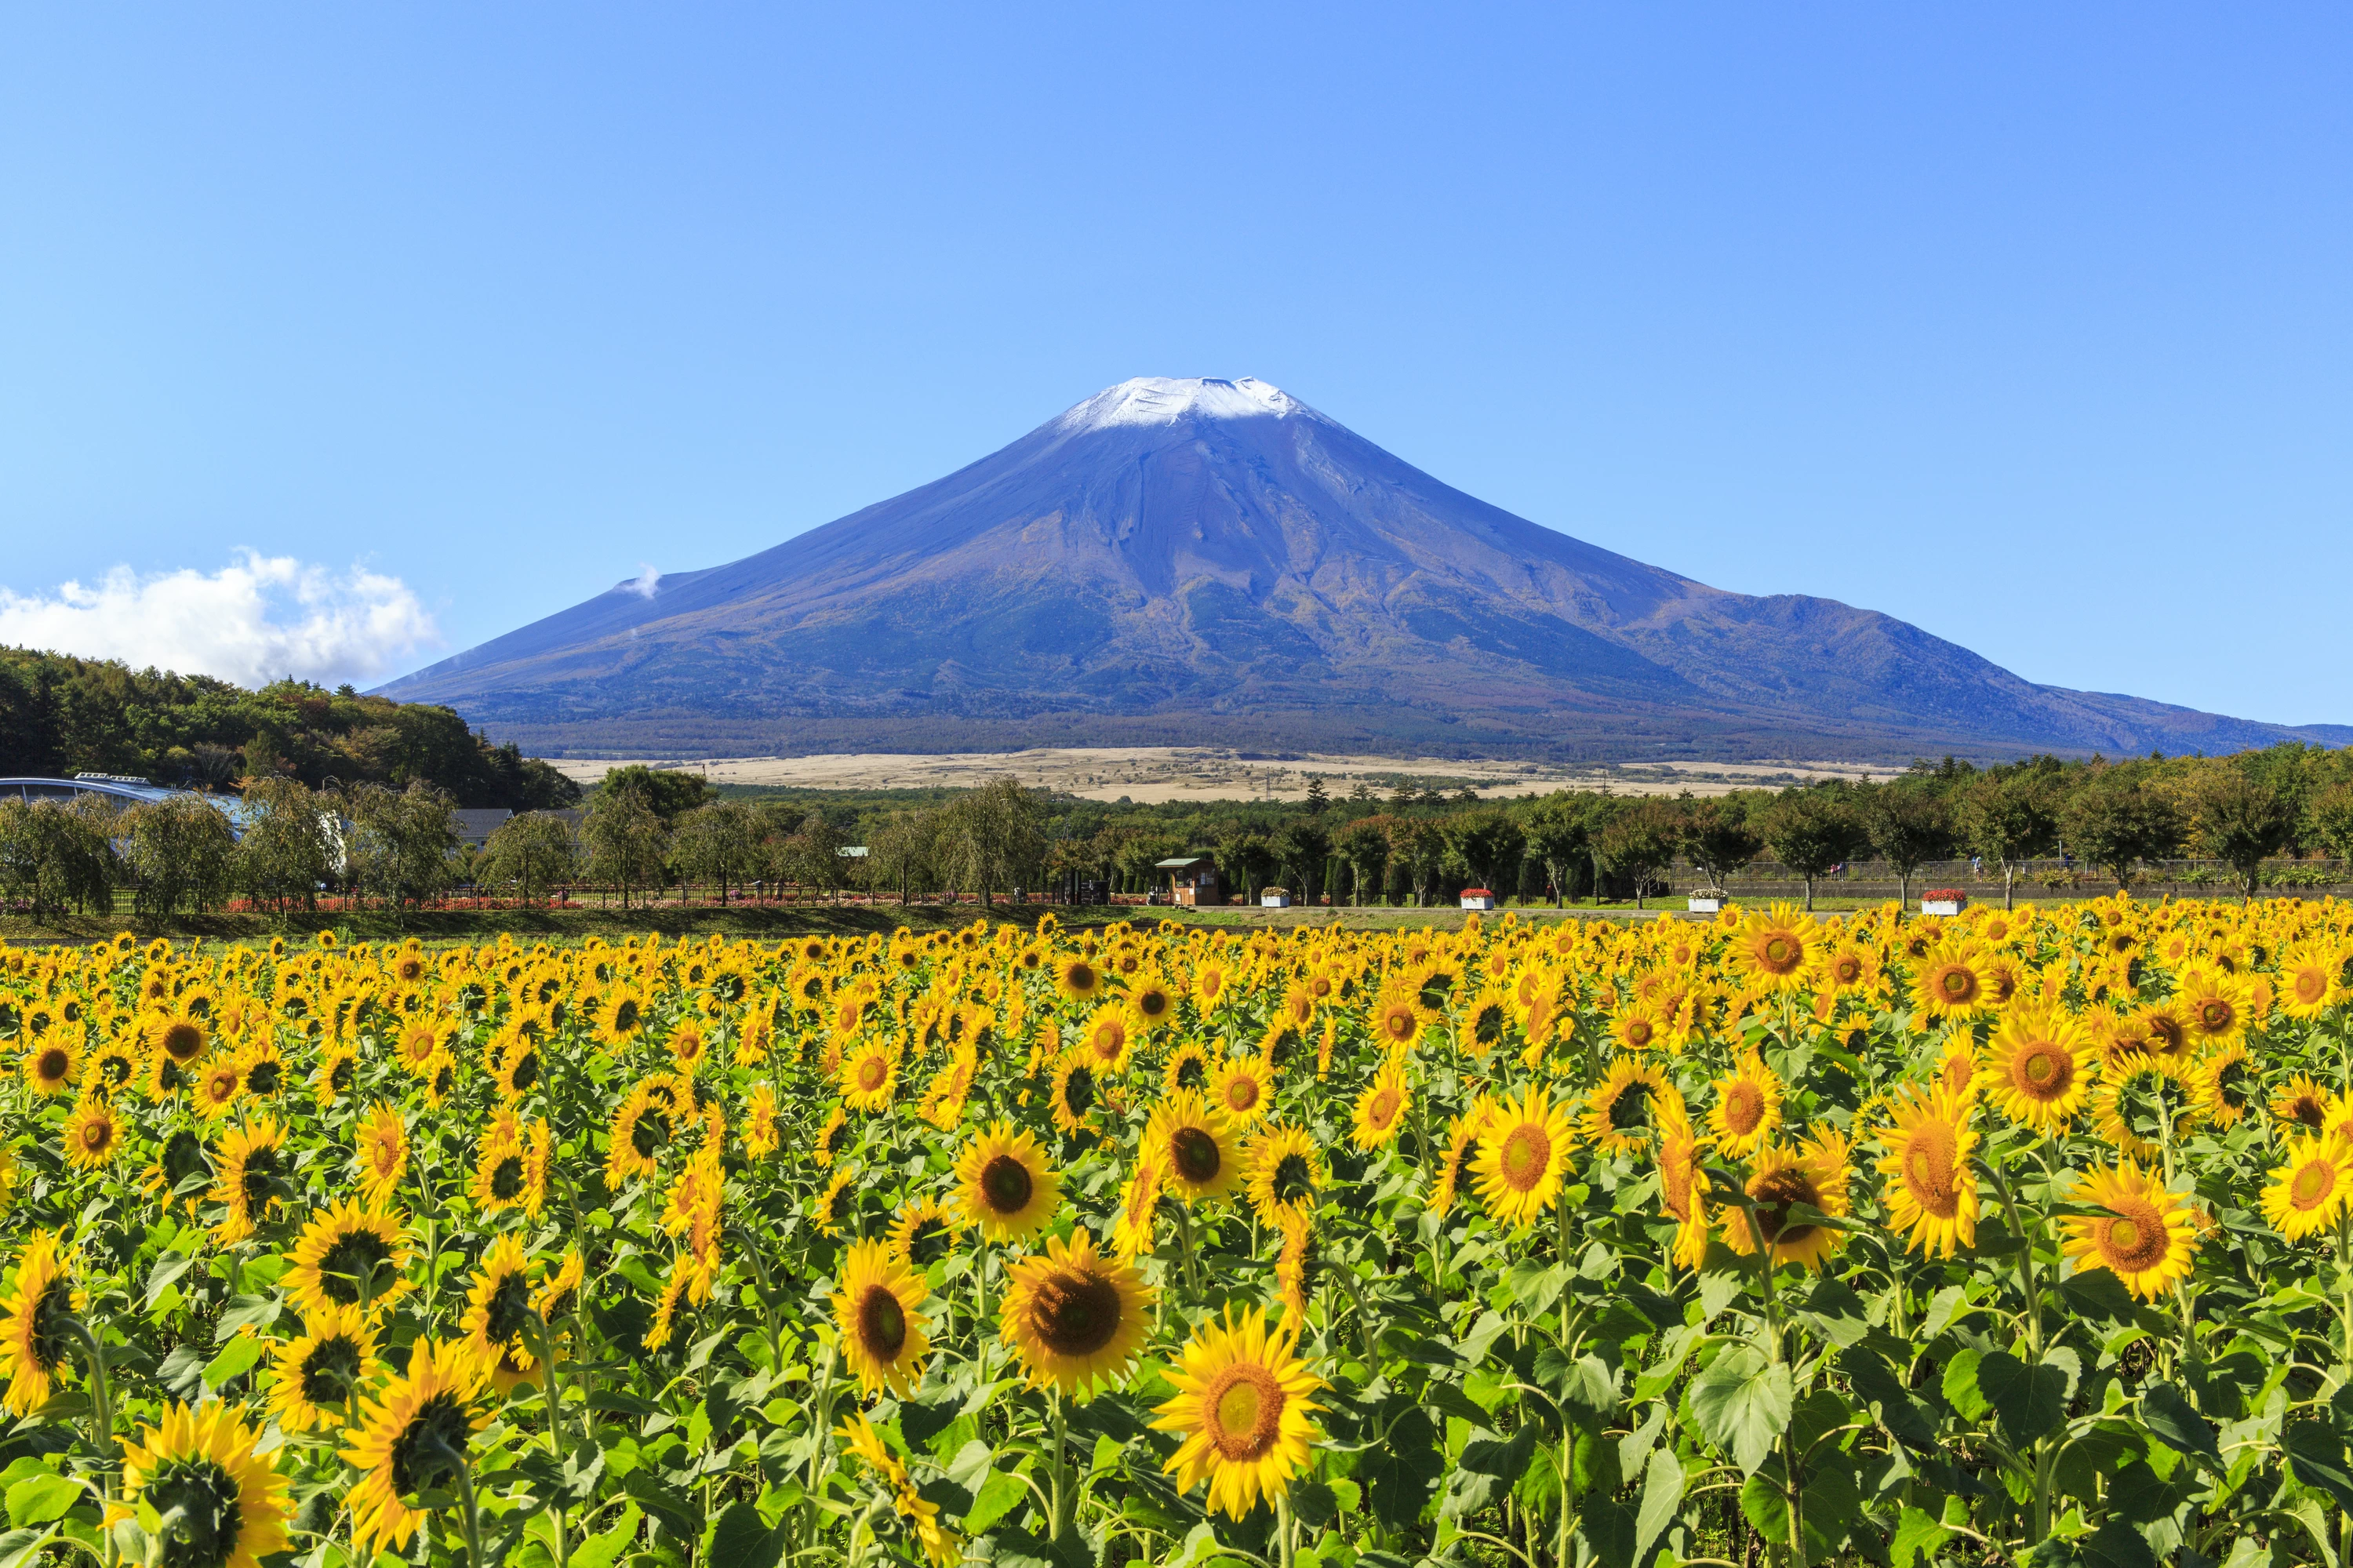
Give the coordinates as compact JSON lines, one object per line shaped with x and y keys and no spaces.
{"x":1205,"y":562}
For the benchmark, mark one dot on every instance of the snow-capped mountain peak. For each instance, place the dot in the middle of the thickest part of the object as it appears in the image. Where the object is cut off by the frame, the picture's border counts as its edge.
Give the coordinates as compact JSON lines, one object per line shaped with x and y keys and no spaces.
{"x":1166,"y":399}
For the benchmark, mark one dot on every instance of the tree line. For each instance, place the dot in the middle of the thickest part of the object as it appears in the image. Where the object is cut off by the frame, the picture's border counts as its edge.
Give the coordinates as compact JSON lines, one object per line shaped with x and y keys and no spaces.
{"x":60,"y":715}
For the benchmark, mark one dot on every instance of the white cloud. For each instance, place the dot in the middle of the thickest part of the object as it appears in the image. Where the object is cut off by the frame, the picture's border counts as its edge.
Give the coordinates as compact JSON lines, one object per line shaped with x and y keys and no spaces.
{"x":645,"y":582}
{"x":263,"y":618}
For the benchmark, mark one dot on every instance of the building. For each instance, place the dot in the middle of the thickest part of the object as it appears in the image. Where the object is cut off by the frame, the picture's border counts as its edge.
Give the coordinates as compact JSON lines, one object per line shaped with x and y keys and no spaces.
{"x":475,"y":824}
{"x":1193,"y":880}
{"x":118,"y":789}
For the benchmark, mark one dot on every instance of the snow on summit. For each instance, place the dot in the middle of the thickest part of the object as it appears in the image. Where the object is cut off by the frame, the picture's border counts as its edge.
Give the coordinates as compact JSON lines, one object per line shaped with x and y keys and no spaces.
{"x":1166,"y":399}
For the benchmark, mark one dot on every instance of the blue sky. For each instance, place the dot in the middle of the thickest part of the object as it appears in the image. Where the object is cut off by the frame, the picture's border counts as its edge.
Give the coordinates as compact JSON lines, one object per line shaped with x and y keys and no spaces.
{"x":2028,"y":324}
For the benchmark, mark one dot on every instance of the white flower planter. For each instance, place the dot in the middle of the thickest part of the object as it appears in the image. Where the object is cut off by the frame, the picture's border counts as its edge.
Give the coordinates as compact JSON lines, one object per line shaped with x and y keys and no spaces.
{"x":1274,"y":900}
{"x":1700,"y":905}
{"x":1942,"y":906}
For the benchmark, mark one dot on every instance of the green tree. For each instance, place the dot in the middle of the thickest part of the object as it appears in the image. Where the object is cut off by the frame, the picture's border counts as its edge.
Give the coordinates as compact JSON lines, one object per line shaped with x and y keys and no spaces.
{"x":1719,"y":838}
{"x":1244,"y":858}
{"x":995,"y":837}
{"x":534,"y":851}
{"x":291,"y":847}
{"x":1558,"y":833}
{"x":2115,"y":819}
{"x":670,"y":793}
{"x":1302,"y":847}
{"x":628,"y":845}
{"x":1908,"y":823}
{"x":899,"y":850}
{"x":2007,"y":817}
{"x":718,"y":842}
{"x":1318,"y":796}
{"x":1419,"y":845}
{"x":399,"y":844}
{"x":2242,"y":820}
{"x":1641,"y":842}
{"x":2329,"y":821}
{"x":1365,"y":845}
{"x":1809,"y":830}
{"x":1488,"y":845}
{"x":59,"y":853}
{"x":182,"y":854}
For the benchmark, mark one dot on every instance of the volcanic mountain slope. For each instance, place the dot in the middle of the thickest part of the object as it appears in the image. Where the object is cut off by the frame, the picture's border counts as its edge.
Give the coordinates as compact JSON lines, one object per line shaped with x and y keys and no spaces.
{"x":1215,"y":562}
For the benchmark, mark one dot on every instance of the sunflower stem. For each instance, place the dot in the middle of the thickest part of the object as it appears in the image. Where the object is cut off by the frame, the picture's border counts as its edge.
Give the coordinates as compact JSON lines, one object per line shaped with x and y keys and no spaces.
{"x":102,"y":1415}
{"x":1065,"y":1501}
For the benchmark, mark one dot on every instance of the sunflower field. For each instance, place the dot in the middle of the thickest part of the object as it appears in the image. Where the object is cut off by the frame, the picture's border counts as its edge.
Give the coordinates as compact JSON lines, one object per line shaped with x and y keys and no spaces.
{"x":2008,"y":1238}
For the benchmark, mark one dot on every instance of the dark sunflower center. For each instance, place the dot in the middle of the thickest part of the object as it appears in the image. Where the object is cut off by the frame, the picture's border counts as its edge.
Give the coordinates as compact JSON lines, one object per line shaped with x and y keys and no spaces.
{"x":1196,"y":1153}
{"x":649,"y":1133}
{"x":1245,"y":1408}
{"x":881,"y":1324}
{"x":1152,"y":1002}
{"x":1192,"y":1073}
{"x":1487,"y":1025}
{"x":525,"y":1072}
{"x":260,"y":1176}
{"x":1775,"y":1194}
{"x":1005,"y":1182}
{"x":1079,"y":1093}
{"x":348,"y":1268}
{"x":509,"y":1308}
{"x":347,"y":1070}
{"x":929,"y":1244}
{"x":183,"y":1042}
{"x":1294,"y":1179}
{"x":54,"y":1063}
{"x":506,"y":1179}
{"x":1075,"y":1312}
{"x":423,"y":1455}
{"x":204,"y":1501}
{"x":184,"y":1156}
{"x":329,"y":1370}
{"x":53,"y":1337}
{"x":1631,"y":1111}
{"x":1081,"y":977}
{"x":262,"y":1079}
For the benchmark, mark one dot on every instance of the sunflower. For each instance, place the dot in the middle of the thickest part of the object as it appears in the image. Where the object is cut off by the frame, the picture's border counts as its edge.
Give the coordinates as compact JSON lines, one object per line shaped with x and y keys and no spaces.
{"x":941,"y":1547}
{"x":93,"y":1136}
{"x":1380,"y":1109}
{"x":111,"y":1068}
{"x":1187,"y":1067}
{"x":318,"y":1375}
{"x":1621,"y":1114}
{"x":759,"y":1135}
{"x":1771,"y":949}
{"x":261,"y":1069}
{"x":1077,"y":978}
{"x":2146,"y":1238}
{"x":2138,"y":1092}
{"x":498,"y":1312}
{"x":1747,"y":1108}
{"x":1075,"y":1093}
{"x":2309,"y":1192}
{"x":384,"y":1154}
{"x":49,"y":1066}
{"x":179,"y":1038}
{"x":1105,"y":1040}
{"x":1243,"y":1404}
{"x":338,"y":1070}
{"x":1077,"y":1317}
{"x":1151,"y":1003}
{"x":412,"y":1438}
{"x":1296,"y":1267}
{"x":868,"y":1078}
{"x":559,"y":1294}
{"x":1949,"y":982}
{"x":248,"y":1178}
{"x":2040,"y":1066}
{"x":518,"y":1070}
{"x":1637,"y":1027}
{"x":1463,"y":1151}
{"x":641,"y":1131}
{"x":1683,"y":1189}
{"x":922,"y":1234}
{"x":618,"y":1017}
{"x":1815,"y":1174}
{"x":37,"y":1331}
{"x":1847,"y":969}
{"x":348,"y":1257}
{"x":2309,"y":980}
{"x":1932,"y":1197}
{"x":1199,"y":1155}
{"x":2303,"y":1103}
{"x":1398,"y":1018}
{"x":1523,"y":1156}
{"x":837,"y":1206}
{"x":2226,"y":1085}
{"x":218,"y":1082}
{"x":1286,"y":1171}
{"x":1484,"y":1020}
{"x":1243,"y":1089}
{"x":1004,"y":1188}
{"x":199,"y":1469}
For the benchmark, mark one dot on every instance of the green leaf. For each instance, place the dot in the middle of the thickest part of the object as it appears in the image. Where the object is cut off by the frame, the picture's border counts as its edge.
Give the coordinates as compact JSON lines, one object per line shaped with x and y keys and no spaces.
{"x":168,"y":1267}
{"x":742,"y":1540}
{"x":1489,"y":1466}
{"x":1899,"y":1410}
{"x":2026,"y":1400}
{"x":41,"y":1499}
{"x":1915,"y":1532}
{"x":237,"y":1360}
{"x":599,"y":1551}
{"x":1662,"y":1497}
{"x":2176,"y":1424}
{"x":2315,"y":1457}
{"x":1401,"y":1475}
{"x":1743,"y":1404}
{"x":992,"y":1500}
